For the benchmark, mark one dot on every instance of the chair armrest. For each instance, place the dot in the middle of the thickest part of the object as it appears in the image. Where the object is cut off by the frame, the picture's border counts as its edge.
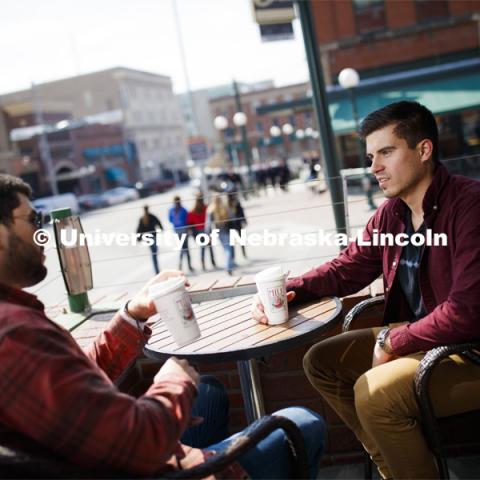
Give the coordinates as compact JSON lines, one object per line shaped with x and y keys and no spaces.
{"x":434,"y":356}
{"x":18,"y":464}
{"x":360,"y":308}
{"x":256,"y":432}
{"x":421,"y":381}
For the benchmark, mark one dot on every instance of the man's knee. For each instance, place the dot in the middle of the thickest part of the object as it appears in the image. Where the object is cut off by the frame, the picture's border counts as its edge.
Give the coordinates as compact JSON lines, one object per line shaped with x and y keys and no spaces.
{"x":316,"y":362}
{"x":380,"y":393}
{"x":211,"y":387}
{"x":310,"y":423}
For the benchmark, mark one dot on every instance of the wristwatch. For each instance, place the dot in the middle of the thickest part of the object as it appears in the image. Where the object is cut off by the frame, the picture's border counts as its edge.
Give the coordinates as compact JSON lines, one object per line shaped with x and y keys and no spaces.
{"x":382,"y":340}
{"x":126,"y":313}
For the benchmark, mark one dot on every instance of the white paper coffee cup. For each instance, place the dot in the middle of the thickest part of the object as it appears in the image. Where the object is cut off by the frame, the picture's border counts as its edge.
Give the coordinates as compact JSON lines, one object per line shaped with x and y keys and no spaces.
{"x":174,"y":307}
{"x":273,"y":294}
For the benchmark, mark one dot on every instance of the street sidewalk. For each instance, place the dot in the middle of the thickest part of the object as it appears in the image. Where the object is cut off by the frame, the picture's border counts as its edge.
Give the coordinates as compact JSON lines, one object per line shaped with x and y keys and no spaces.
{"x":298,"y":211}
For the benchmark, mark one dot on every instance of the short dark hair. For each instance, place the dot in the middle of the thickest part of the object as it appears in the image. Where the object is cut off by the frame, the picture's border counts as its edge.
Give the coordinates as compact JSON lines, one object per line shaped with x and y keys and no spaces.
{"x":413,"y":122}
{"x":10,"y":187}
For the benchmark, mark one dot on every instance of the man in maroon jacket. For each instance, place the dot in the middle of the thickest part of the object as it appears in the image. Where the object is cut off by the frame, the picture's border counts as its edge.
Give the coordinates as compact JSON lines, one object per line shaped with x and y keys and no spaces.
{"x":432,"y":296}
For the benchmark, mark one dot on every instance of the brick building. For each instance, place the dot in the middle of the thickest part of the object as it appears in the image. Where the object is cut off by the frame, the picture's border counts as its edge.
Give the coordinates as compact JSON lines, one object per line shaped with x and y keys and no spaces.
{"x":86,"y":156}
{"x":266,"y":146}
{"x":412,"y":49}
{"x":151,"y":117}
{"x":423,"y":50}
{"x":377,"y":37}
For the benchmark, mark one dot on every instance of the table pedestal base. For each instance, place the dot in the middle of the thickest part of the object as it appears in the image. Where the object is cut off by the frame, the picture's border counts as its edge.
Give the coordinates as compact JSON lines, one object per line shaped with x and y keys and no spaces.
{"x":251,"y":389}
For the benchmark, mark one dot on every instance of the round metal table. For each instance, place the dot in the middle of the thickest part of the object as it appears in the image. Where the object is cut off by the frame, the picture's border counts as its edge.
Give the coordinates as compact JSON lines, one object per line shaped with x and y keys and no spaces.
{"x":229,"y":333}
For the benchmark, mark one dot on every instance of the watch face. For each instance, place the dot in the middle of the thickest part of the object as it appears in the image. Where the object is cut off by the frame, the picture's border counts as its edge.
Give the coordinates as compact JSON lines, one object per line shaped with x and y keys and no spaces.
{"x":381,"y":337}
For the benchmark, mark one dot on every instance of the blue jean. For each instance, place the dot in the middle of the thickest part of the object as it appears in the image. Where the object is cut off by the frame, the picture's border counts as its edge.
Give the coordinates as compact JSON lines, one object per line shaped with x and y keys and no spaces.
{"x":204,"y":247}
{"x":225,"y":239}
{"x":270,"y":458}
{"x":154,"y":250}
{"x":184,"y":252}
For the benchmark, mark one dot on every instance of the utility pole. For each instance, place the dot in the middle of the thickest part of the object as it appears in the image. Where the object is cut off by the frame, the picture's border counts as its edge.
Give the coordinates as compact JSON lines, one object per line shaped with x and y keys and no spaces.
{"x":178,"y":29}
{"x":44,"y":148}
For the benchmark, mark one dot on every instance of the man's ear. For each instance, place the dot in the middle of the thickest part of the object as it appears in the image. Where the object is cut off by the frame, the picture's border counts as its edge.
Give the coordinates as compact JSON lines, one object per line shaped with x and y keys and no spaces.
{"x":3,"y":237}
{"x":425,"y":148}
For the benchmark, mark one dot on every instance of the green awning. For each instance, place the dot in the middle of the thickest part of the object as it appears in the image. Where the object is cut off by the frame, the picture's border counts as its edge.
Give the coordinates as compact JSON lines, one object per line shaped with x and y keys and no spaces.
{"x":440,"y":96}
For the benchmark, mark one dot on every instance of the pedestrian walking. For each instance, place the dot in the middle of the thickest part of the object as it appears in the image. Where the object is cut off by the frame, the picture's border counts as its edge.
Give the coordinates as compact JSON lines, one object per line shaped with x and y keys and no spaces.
{"x":196,"y":220}
{"x":284,"y":175}
{"x":178,"y":218}
{"x":238,"y":218}
{"x":220,"y":217}
{"x":148,"y":223}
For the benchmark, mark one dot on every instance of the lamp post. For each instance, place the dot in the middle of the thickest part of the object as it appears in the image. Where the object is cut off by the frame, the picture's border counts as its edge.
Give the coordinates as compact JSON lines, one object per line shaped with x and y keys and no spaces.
{"x":241,"y":122}
{"x":287,"y":129}
{"x":349,"y":80}
{"x":276,"y":132}
{"x":220,"y":122}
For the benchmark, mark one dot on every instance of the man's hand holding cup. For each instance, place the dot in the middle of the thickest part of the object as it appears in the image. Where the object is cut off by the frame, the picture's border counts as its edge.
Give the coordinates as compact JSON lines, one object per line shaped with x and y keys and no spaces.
{"x":258,"y":310}
{"x":141,"y":306}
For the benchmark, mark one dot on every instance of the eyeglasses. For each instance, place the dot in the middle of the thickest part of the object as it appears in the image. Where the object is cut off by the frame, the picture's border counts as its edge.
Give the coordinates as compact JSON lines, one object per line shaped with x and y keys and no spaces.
{"x":35,"y":218}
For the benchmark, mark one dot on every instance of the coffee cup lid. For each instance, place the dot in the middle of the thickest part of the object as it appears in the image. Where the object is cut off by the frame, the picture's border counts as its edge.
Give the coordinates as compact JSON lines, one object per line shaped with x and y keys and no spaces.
{"x":166,"y":287}
{"x":271,"y":273}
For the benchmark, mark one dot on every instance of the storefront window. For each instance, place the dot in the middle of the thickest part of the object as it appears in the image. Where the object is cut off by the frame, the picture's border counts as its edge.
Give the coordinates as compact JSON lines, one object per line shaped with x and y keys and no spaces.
{"x":369,"y":15}
{"x":431,"y":9}
{"x":349,"y":150}
{"x":471,"y":130}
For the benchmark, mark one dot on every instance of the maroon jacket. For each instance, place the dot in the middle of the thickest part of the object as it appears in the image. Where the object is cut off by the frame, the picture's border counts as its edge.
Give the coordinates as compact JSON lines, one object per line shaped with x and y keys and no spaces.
{"x":449,"y":275}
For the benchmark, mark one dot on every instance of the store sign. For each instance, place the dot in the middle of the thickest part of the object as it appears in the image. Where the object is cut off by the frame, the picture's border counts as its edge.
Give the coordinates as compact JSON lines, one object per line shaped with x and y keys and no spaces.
{"x":274,"y":18}
{"x":198,"y":148}
{"x":277,"y":31}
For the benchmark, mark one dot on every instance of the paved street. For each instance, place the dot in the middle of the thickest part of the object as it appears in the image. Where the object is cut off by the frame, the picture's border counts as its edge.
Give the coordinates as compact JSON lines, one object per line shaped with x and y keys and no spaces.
{"x":120,"y":269}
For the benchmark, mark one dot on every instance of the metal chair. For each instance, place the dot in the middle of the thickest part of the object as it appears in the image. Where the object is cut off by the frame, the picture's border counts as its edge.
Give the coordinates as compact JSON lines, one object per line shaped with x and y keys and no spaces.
{"x":438,"y":431}
{"x":17,"y":464}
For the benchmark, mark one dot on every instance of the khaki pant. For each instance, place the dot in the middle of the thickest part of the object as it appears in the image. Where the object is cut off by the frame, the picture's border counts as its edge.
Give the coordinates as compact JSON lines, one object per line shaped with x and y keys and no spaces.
{"x":379,"y":404}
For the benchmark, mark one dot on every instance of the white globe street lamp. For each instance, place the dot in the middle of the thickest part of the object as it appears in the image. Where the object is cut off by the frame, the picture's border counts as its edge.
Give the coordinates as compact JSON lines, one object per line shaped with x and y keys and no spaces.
{"x":275,"y":131}
{"x":240,"y":119}
{"x":348,"y":78}
{"x":300,"y":134}
{"x":308,"y":132}
{"x":287,"y":129}
{"x":220,"y":122}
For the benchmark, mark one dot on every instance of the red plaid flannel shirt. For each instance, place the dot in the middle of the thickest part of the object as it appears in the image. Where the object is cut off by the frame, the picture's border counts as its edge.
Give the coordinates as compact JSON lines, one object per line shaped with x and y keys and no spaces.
{"x":56,"y":396}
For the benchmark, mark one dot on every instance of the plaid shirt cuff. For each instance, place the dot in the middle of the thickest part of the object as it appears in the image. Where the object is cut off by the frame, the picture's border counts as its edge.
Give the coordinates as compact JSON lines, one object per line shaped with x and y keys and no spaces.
{"x":129,"y":319}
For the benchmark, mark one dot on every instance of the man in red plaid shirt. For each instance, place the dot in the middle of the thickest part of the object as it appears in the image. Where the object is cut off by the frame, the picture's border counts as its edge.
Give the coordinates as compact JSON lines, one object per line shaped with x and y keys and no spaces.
{"x":58,"y":397}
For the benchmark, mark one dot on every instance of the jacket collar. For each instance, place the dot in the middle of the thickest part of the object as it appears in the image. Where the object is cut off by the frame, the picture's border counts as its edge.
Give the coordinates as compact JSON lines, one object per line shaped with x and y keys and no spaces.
{"x":430,"y":202}
{"x":19,"y":297}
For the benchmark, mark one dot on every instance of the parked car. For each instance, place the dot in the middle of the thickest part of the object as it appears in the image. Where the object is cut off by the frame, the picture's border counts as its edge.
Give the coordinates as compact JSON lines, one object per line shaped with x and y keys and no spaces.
{"x":119,"y":195}
{"x":64,"y":200}
{"x":92,"y":201}
{"x":150,"y":187}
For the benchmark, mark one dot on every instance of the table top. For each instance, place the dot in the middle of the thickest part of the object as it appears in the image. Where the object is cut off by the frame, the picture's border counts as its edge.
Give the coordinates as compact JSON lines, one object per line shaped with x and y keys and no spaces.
{"x":230,"y":333}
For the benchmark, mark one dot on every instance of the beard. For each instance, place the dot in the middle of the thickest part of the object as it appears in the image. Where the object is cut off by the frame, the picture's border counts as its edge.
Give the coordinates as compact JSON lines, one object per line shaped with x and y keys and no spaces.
{"x":24,"y":263}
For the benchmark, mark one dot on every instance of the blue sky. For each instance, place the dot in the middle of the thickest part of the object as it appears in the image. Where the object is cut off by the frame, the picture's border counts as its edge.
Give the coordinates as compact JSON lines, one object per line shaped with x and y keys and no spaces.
{"x":50,"y":39}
